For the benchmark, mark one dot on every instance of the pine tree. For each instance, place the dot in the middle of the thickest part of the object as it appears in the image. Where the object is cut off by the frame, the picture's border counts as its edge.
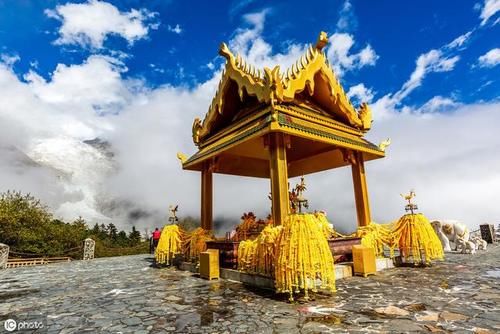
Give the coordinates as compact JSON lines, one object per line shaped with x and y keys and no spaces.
{"x":95,"y":230}
{"x":134,"y":237}
{"x":112,"y":231}
{"x":122,"y":239}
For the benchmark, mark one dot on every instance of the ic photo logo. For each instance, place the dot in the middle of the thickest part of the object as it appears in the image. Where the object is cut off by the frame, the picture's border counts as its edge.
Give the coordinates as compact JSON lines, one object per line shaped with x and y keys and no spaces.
{"x":30,"y":324}
{"x":10,"y":325}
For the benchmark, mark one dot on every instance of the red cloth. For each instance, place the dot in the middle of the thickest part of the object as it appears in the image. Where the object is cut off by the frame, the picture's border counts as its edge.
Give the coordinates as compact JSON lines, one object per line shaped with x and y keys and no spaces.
{"x":156,"y":235}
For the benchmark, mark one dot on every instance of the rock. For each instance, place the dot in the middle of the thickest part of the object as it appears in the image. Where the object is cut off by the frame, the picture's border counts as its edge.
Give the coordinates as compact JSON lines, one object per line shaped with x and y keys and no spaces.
{"x":404,"y":325}
{"x":449,"y":316}
{"x":415,"y":307}
{"x":313,"y":327}
{"x":495,"y":316}
{"x":285,"y":322}
{"x":364,"y":320}
{"x":142,"y":331}
{"x":132,"y":321}
{"x":173,"y":299}
{"x":179,"y":307}
{"x":433,"y":329}
{"x":392,"y":310}
{"x":427,"y":316}
{"x":479,"y":330}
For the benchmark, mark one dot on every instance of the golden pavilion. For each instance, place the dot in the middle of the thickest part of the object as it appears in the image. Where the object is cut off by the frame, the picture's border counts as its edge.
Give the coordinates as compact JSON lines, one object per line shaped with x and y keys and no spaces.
{"x":272,"y":124}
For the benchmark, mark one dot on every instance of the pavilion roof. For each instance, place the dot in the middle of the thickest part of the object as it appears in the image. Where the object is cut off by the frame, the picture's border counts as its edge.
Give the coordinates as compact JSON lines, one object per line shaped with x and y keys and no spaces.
{"x":310,"y":81}
{"x":306,"y":103}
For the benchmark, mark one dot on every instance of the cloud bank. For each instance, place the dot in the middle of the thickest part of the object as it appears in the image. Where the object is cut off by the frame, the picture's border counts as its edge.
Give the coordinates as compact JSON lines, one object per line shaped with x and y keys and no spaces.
{"x":489,"y":10}
{"x":490,"y":58}
{"x":90,"y":23}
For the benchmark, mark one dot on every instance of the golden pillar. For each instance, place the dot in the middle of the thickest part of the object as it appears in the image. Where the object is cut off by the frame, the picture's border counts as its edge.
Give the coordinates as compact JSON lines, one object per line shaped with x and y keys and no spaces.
{"x":206,"y":197}
{"x":279,"y":177}
{"x":360,"y":189}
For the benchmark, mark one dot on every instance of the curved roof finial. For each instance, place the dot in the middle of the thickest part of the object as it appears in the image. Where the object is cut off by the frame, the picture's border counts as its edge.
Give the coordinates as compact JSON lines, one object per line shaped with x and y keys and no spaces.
{"x":225,"y":52}
{"x":322,"y":40}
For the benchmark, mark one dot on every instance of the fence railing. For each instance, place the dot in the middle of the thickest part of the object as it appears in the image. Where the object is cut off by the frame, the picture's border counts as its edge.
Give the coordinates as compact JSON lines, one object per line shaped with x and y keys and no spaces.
{"x":24,"y":262}
{"x":14,"y":259}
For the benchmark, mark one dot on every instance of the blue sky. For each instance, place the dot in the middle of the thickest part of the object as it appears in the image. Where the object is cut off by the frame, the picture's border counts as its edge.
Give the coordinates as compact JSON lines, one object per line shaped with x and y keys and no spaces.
{"x":136,"y":73}
{"x":398,"y":31}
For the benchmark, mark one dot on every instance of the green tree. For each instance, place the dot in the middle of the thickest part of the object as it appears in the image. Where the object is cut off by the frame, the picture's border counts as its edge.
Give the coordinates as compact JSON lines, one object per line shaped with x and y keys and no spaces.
{"x":134,"y":237}
{"x":112,"y":231}
{"x":122,"y":239}
{"x":103,"y":232}
{"x":95,"y":230}
{"x":28,"y":227}
{"x":24,"y":222}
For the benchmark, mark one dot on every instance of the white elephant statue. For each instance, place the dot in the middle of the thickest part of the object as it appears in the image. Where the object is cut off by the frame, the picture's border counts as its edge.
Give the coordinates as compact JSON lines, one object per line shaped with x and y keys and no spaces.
{"x":466,"y":247}
{"x":450,"y":230}
{"x":480,"y":243}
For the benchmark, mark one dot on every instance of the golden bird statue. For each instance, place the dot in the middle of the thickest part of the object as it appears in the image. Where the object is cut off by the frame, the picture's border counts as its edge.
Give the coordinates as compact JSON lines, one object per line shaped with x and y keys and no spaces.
{"x":409,"y":196}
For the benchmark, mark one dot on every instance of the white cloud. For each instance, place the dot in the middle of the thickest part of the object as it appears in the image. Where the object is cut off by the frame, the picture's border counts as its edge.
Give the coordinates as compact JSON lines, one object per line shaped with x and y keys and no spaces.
{"x":433,"y":154}
{"x":239,"y":6}
{"x":77,"y":84}
{"x":90,"y":23}
{"x":175,"y":29}
{"x":347,"y":19}
{"x":489,"y":10}
{"x":342,"y":60}
{"x":490,"y":58}
{"x":44,"y":128}
{"x":359,"y":93}
{"x":429,"y":62}
{"x":438,"y":104}
{"x":47,"y":120}
{"x":460,"y":40}
{"x":251,"y":45}
{"x":9,"y":59}
{"x":443,"y":59}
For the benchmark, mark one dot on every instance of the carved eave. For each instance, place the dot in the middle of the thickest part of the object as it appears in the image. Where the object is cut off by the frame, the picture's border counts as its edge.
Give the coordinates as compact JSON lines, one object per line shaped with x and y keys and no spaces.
{"x":311,"y":74}
{"x":318,"y":143}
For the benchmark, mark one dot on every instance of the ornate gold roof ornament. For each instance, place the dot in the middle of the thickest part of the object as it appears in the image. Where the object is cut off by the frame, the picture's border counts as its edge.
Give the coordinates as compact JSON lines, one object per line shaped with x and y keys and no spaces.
{"x":322,"y":40}
{"x":196,"y":130}
{"x":365,"y":115}
{"x":182,"y":157}
{"x":311,"y":74}
{"x":384,"y":144}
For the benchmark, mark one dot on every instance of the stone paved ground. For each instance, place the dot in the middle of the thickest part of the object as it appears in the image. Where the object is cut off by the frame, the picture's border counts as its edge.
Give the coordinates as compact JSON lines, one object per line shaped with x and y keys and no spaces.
{"x":125,"y":294}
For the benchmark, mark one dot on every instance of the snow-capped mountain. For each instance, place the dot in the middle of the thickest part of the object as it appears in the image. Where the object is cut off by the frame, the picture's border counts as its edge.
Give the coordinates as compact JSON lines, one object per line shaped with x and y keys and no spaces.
{"x":82,"y":169}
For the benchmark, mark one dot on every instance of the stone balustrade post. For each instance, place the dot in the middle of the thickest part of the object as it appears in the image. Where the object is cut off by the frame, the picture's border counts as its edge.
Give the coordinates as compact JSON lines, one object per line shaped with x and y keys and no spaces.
{"x":88,"y":249}
{"x":4,"y":255}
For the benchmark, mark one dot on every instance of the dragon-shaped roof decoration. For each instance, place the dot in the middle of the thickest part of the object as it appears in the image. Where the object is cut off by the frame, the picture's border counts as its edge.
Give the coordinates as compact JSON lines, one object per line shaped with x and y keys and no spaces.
{"x":311,"y":74}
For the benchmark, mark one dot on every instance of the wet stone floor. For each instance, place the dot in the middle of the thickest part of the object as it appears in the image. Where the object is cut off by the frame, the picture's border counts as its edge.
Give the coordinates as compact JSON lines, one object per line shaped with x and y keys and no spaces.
{"x":127,"y":295}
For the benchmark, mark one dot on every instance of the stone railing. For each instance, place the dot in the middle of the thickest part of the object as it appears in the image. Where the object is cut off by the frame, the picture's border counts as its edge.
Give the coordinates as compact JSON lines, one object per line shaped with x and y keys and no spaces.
{"x":4,"y":255}
{"x":88,"y":249}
